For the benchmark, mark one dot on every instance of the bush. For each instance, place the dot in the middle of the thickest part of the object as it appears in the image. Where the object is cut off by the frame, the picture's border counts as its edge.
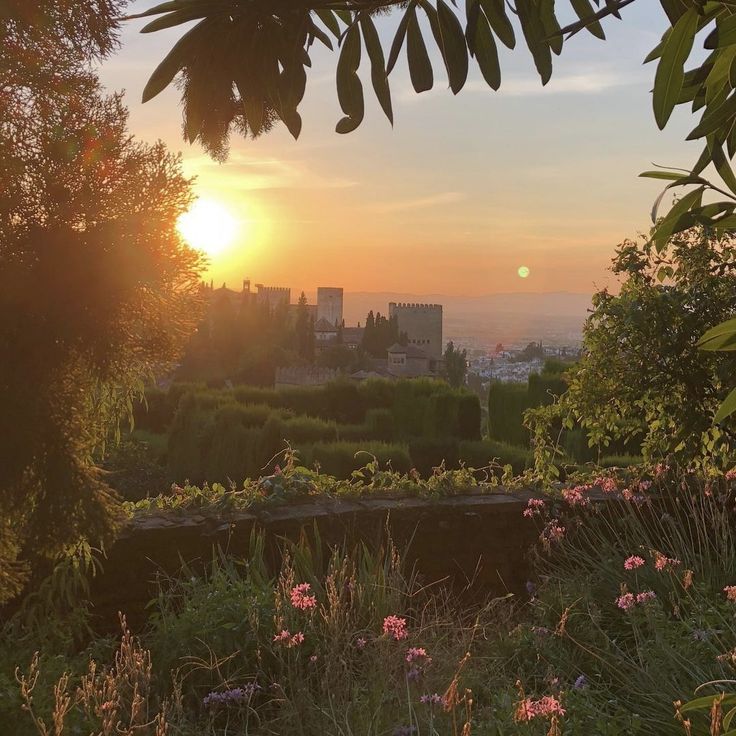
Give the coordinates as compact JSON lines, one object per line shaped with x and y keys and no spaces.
{"x":507,"y":403}
{"x":427,"y":454}
{"x":309,"y":429}
{"x":340,"y":459}
{"x":257,"y":395}
{"x":468,"y":417}
{"x":379,"y":425}
{"x":481,"y":453}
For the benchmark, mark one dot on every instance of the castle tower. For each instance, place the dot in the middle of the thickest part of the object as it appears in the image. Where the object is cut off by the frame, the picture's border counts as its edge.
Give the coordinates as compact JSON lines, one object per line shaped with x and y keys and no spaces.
{"x":422,"y":323}
{"x":329,"y":304}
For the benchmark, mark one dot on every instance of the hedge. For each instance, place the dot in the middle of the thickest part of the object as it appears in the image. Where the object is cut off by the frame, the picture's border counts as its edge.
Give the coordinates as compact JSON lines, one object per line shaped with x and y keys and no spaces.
{"x":340,"y":459}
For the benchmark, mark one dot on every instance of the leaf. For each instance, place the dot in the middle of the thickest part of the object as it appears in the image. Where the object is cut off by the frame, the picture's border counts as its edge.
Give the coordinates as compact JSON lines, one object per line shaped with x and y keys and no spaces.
{"x":669,"y":175}
{"x":172,"y":63}
{"x":715,"y":334}
{"x":349,"y":88}
{"x":330,"y":21}
{"x":398,"y":41}
{"x":486,"y":53}
{"x":378,"y":67}
{"x":495,"y":11}
{"x":453,"y":46}
{"x":675,"y":221}
{"x":714,"y":117}
{"x":534,"y":37}
{"x":585,"y":11}
{"x":670,"y":70}
{"x":176,"y":18}
{"x":727,"y":408}
{"x":420,"y":67}
{"x":167,"y":7}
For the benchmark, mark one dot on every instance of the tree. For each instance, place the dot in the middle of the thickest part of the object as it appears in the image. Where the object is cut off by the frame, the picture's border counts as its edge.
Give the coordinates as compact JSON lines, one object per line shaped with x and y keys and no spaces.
{"x":97,"y":290}
{"x":455,"y":365}
{"x":642,"y":376}
{"x":304,"y":330}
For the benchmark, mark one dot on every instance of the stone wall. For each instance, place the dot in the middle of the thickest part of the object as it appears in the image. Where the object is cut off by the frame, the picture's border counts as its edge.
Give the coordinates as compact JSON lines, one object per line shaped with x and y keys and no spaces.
{"x":479,"y":544}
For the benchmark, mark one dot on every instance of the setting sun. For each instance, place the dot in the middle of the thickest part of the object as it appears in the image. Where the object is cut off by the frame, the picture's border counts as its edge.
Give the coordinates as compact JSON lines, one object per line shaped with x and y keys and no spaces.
{"x":208,"y":226}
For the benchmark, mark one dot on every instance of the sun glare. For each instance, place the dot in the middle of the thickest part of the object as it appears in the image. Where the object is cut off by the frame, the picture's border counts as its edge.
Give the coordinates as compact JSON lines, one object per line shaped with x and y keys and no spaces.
{"x":208,"y":226}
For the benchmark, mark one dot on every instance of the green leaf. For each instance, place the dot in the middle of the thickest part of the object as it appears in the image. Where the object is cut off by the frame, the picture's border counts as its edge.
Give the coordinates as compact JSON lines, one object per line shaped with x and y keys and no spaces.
{"x":668,"y":175}
{"x":670,"y":70}
{"x":534,"y":36}
{"x":486,"y":53}
{"x":349,"y":88}
{"x":715,"y":334}
{"x":167,"y":7}
{"x":330,"y":21}
{"x":172,"y":63}
{"x":715,"y":117}
{"x":176,"y":18}
{"x":378,"y":66}
{"x":495,"y":11}
{"x":675,"y":220}
{"x":453,"y":46}
{"x":420,"y":67}
{"x":584,"y":11}
{"x":727,"y":408}
{"x":398,"y":41}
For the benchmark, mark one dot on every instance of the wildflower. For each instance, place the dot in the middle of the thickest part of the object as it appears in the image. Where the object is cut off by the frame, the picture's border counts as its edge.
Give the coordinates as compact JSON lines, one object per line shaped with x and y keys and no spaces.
{"x":395,"y":627}
{"x":731,"y":474}
{"x":645,"y":485}
{"x":531,"y":588}
{"x":626,"y":601}
{"x":360,"y":643}
{"x":631,"y":563}
{"x":660,"y":470}
{"x":575,"y":496}
{"x":645,"y":597}
{"x":661,"y":562}
{"x":607,"y":485}
{"x":233,"y":696}
{"x":553,"y":532}
{"x":701,"y":634}
{"x":541,"y":631}
{"x":313,"y":659}
{"x":284,"y":637}
{"x":414,"y":674}
{"x":580,"y":683}
{"x":534,"y":507}
{"x":545,"y":707}
{"x":687,"y":579}
{"x":730,"y":591}
{"x":405,"y":731}
{"x":301,"y":599}
{"x":433,"y":699}
{"x":416,"y":654}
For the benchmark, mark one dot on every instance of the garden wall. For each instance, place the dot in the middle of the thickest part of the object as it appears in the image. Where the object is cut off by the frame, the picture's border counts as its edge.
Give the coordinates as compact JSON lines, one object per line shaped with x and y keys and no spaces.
{"x":483,"y":539}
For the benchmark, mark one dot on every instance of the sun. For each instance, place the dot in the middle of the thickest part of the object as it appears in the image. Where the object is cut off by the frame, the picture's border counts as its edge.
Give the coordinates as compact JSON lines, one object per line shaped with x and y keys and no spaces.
{"x":208,"y":226}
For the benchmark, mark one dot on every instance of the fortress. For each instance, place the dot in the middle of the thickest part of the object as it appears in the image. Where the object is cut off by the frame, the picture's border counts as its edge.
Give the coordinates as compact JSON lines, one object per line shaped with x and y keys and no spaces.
{"x":423,"y":325}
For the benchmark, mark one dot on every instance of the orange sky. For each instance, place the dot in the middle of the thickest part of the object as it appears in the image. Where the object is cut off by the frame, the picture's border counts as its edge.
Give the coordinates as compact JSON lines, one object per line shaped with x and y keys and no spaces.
{"x":459,"y":194}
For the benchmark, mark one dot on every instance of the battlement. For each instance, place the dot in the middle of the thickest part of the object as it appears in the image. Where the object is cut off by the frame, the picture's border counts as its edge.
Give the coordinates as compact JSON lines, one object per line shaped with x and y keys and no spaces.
{"x":411,"y":305}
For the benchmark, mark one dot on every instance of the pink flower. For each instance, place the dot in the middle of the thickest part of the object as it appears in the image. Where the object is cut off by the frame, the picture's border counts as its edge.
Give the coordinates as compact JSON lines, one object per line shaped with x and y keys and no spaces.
{"x":360,"y":644}
{"x":553,"y":532}
{"x":626,"y":601}
{"x":660,"y":470}
{"x":395,"y":627}
{"x":607,"y":485}
{"x":301,"y":599}
{"x":645,"y":485}
{"x":545,"y":707}
{"x":575,"y":496}
{"x":730,"y":591}
{"x":534,"y":507}
{"x":631,"y":563}
{"x":661,"y":562}
{"x":645,"y":597}
{"x":434,"y":699}
{"x":284,"y":637}
{"x":417,"y":653}
{"x":731,"y":474}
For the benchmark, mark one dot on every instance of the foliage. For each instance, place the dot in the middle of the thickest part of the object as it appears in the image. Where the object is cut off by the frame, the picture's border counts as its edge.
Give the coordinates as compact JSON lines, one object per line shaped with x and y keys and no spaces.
{"x":642,"y":377}
{"x":455,"y":366}
{"x":380,"y":333}
{"x":97,"y":290}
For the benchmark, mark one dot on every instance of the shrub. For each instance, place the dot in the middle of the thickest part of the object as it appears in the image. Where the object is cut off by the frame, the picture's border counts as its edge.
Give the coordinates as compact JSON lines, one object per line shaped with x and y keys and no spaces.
{"x":257,"y":395}
{"x":309,"y":429}
{"x":481,"y":453}
{"x":507,"y":403}
{"x":428,"y":453}
{"x":468,"y":417}
{"x":379,"y":425}
{"x":342,"y":458}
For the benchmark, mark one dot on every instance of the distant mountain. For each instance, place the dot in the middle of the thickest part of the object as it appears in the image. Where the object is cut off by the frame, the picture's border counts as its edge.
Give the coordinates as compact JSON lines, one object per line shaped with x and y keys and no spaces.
{"x":483,"y":321}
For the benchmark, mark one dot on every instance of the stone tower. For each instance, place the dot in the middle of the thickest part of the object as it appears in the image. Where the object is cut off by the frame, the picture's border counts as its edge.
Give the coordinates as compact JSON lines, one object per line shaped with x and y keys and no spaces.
{"x":329,"y":304}
{"x":422,"y":323}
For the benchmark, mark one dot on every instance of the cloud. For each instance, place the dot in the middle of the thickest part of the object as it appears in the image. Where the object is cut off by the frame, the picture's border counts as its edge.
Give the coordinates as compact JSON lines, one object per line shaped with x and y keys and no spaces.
{"x":416,"y":203}
{"x":244,"y":172}
{"x":588,"y":83}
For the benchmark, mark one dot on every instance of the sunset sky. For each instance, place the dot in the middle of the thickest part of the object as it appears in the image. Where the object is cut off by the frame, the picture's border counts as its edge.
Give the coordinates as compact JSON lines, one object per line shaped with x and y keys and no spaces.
{"x":460,"y":193}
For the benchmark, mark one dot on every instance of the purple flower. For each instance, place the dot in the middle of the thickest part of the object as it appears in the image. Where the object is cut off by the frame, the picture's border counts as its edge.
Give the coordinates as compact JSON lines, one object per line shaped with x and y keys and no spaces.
{"x":232,"y":696}
{"x":580,"y":683}
{"x":405,"y":731}
{"x":531,"y":588}
{"x":433,"y":699}
{"x":413,"y":674}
